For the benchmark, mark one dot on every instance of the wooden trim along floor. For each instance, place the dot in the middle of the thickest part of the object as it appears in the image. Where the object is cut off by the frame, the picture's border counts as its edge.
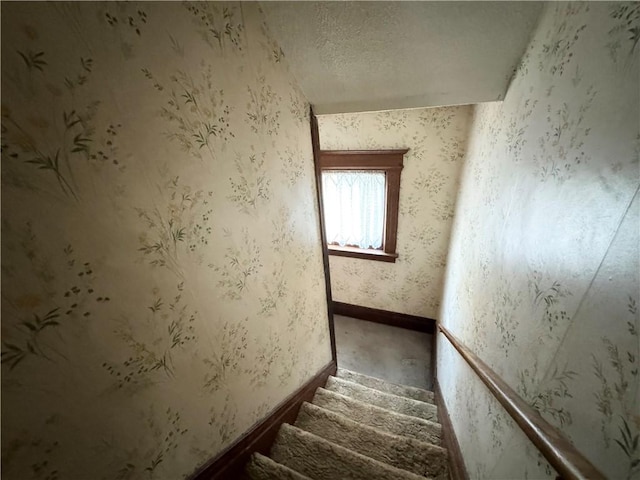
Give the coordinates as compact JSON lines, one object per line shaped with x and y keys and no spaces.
{"x":402,"y":320}
{"x":457,"y":469}
{"x":228,"y":464}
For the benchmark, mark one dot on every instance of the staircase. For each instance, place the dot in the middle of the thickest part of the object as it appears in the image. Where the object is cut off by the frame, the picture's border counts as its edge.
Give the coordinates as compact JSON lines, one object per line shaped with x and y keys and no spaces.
{"x":358,"y":428}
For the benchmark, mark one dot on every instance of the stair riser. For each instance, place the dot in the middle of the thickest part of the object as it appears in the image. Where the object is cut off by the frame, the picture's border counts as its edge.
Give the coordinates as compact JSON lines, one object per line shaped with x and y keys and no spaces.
{"x":383,"y":386}
{"x":416,"y":457}
{"x":397,"y":404}
{"x":264,"y":468}
{"x":319,"y":459}
{"x":397,"y":424}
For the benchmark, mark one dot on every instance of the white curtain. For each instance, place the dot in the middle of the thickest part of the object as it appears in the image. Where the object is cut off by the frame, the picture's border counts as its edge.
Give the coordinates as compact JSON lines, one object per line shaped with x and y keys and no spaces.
{"x":354,"y":207}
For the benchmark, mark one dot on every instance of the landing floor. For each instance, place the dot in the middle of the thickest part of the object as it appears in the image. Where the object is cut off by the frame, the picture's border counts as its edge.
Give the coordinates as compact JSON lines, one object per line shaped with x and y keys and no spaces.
{"x":390,"y":353}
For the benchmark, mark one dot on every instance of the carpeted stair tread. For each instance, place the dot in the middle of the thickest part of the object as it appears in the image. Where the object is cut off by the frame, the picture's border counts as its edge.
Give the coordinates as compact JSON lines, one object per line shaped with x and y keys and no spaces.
{"x":417,"y":457}
{"x":260,"y":467}
{"x":387,"y":387}
{"x":320,"y":459}
{"x":404,"y":405}
{"x":378,"y":417}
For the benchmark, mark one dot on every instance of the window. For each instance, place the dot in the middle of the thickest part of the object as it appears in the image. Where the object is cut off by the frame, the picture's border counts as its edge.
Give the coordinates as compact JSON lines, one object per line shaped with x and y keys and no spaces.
{"x":360,"y":193}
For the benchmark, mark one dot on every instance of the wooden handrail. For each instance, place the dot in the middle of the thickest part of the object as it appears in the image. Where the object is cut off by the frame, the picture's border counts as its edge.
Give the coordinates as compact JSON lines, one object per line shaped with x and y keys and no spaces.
{"x":551,"y":442}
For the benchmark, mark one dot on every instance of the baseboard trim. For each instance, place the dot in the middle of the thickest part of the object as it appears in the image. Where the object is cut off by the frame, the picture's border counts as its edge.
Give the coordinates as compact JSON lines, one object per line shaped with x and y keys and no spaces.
{"x":402,"y":320}
{"x":228,"y":464}
{"x":457,"y":469}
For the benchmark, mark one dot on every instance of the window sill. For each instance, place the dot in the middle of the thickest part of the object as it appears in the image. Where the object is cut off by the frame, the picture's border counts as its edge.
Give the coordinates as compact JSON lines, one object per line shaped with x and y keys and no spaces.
{"x":377,"y":255}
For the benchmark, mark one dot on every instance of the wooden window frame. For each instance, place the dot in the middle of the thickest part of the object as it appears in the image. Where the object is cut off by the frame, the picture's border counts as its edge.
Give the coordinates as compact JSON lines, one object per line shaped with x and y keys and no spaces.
{"x":389,"y":161}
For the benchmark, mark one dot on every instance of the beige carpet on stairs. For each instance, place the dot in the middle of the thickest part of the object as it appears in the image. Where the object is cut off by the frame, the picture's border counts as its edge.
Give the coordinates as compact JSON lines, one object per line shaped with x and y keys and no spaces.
{"x":358,"y":428}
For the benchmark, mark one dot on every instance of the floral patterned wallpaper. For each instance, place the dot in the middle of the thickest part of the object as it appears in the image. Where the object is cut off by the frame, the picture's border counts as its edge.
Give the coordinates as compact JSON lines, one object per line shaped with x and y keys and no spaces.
{"x":436,"y":138}
{"x":158,"y":197}
{"x":543,"y":273}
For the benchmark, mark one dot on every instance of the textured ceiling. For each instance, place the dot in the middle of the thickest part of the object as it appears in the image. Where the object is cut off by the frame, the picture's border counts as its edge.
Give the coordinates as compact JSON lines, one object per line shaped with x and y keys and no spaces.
{"x":362,"y":56}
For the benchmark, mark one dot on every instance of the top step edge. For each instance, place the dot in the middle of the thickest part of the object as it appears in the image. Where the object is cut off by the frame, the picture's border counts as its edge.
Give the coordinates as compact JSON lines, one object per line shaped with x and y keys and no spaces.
{"x":382,"y":410}
{"x":391,"y":401}
{"x":385,"y":386}
{"x":312,"y":410}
